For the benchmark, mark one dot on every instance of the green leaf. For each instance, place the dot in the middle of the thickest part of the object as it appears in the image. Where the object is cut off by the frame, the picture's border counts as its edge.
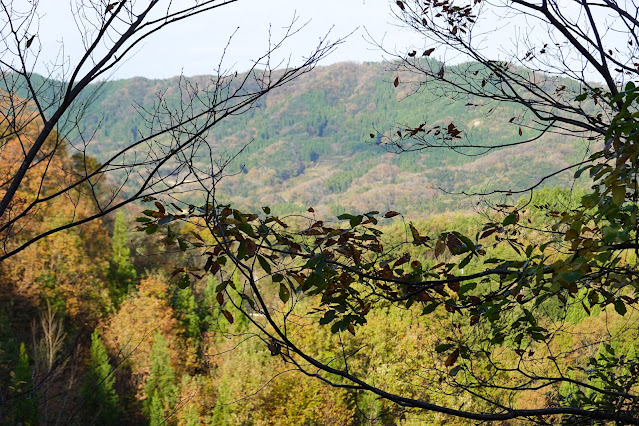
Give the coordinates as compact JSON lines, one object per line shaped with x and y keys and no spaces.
{"x":464,"y":239}
{"x":241,"y":250}
{"x":571,"y":276}
{"x":277,"y":278}
{"x":184,"y":281}
{"x":151,"y":229}
{"x":285,"y":294}
{"x":465,"y":261}
{"x":264,"y":264}
{"x":247,"y":229}
{"x":430,"y":308}
{"x":328,"y":317}
{"x":356,"y":220}
{"x":620,"y":307}
{"x":455,"y":370}
{"x":466,"y":288}
{"x":618,"y":195}
{"x":510,"y":219}
{"x":582,"y":97}
{"x":182,"y":244}
{"x":443,"y":347}
{"x":266,"y":210}
{"x":143,"y":219}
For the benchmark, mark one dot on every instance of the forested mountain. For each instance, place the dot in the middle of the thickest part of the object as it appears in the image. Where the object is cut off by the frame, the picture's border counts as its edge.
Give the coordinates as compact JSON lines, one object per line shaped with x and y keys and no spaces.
{"x":319,"y":141}
{"x":95,"y":329}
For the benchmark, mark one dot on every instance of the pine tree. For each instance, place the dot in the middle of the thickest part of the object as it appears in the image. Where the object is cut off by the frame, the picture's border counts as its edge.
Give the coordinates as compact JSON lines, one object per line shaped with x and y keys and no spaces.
{"x":98,"y":390}
{"x":221,"y":412}
{"x":160,"y":387}
{"x":185,"y":307}
{"x":122,"y":274}
{"x":155,"y":409}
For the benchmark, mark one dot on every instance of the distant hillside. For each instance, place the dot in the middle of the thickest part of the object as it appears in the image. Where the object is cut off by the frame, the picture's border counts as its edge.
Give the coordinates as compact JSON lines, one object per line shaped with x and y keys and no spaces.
{"x":310,"y":143}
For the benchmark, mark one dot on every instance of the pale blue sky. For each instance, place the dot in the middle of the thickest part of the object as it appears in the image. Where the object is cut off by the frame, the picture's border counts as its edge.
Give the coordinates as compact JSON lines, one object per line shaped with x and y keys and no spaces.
{"x":195,"y":45}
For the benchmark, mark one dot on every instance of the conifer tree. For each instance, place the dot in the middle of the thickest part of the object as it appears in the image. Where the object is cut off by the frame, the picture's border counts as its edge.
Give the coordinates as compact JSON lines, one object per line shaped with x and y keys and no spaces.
{"x":98,"y":390}
{"x":160,"y":387}
{"x":122,"y":274}
{"x":185,"y":306}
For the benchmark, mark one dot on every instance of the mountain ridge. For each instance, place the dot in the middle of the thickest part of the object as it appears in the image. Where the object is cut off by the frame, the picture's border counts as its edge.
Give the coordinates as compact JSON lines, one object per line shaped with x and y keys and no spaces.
{"x":309,"y":142}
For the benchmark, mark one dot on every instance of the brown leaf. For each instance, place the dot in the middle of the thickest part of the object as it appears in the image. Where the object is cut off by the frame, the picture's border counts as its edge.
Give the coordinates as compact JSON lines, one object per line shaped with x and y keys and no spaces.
{"x":160,"y":207}
{"x":350,"y":328}
{"x":412,"y":54}
{"x":454,"y":244}
{"x":310,"y":210}
{"x":439,"y":265}
{"x":390,"y":214}
{"x":428,"y":52}
{"x":452,"y":358}
{"x":405,"y":258}
{"x":401,"y":5}
{"x":275,"y":348}
{"x":487,"y":233}
{"x":110,"y":7}
{"x":520,"y":132}
{"x":228,"y":315}
{"x":215,"y":266}
{"x":220,"y":298}
{"x":356,"y":256}
{"x":251,"y":248}
{"x":396,"y":82}
{"x":30,"y":41}
{"x":439,"y":247}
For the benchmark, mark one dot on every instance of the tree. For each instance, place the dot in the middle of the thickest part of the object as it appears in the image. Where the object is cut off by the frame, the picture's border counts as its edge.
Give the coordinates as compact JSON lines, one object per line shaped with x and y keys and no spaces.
{"x":160,"y":388}
{"x":43,"y":116}
{"x":502,"y":298}
{"x":122,"y":274}
{"x":101,"y":399}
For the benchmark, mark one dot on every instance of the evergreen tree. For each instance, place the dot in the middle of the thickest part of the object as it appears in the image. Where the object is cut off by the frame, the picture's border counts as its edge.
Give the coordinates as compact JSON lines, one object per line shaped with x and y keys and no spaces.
{"x":191,"y":417}
{"x":221,"y":412}
{"x":98,"y":390}
{"x":210,"y":306}
{"x":122,"y":274}
{"x":186,"y":307}
{"x":155,"y":409}
{"x":160,"y":387}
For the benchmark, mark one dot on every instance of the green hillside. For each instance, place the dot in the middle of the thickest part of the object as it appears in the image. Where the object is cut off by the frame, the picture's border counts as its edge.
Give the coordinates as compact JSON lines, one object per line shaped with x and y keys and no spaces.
{"x":309,"y":143}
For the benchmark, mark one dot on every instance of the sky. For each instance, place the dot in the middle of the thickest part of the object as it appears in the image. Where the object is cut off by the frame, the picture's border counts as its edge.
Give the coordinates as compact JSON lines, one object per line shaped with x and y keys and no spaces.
{"x":194,"y":47}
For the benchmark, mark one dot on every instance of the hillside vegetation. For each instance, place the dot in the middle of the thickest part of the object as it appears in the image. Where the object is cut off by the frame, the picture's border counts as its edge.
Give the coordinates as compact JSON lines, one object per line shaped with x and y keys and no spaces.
{"x":309,"y":143}
{"x":96,"y":330}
